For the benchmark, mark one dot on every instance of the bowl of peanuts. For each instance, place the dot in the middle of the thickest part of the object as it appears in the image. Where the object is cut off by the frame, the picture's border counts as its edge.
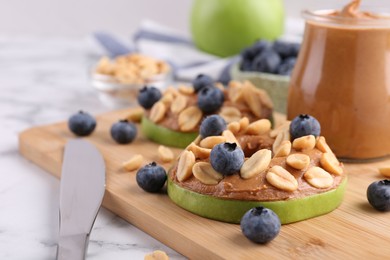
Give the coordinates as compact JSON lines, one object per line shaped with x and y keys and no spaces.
{"x":119,"y":80}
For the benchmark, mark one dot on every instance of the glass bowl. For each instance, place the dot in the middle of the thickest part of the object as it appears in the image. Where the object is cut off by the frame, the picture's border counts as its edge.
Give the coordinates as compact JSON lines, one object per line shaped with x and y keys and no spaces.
{"x":115,"y":94}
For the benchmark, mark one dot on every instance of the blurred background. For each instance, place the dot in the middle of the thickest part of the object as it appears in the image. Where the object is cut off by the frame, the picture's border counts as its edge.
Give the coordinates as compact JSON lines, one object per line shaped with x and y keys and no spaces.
{"x":74,"y":18}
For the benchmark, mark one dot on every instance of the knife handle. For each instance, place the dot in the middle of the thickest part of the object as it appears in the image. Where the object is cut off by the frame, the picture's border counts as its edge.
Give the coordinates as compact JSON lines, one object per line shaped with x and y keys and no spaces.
{"x":72,"y":247}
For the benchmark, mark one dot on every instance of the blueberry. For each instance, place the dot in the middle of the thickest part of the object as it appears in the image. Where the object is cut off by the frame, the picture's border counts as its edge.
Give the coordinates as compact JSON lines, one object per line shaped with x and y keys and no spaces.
{"x":123,"y":132}
{"x":210,"y":99}
{"x":81,"y":124}
{"x":227,"y":158}
{"x":151,"y":177}
{"x":304,"y":125}
{"x":246,"y":65}
{"x":378,"y":195}
{"x":267,"y":61}
{"x":286,"y":67}
{"x":247,"y":54}
{"x":260,"y":225}
{"x":147,"y":96}
{"x":254,"y":50}
{"x":286,"y":49}
{"x":295,"y":49}
{"x":202,"y":81}
{"x":212,"y":125}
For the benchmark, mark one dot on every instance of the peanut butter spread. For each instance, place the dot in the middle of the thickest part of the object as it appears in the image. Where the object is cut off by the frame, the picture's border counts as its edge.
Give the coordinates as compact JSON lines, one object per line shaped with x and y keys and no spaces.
{"x":342,"y":78}
{"x":240,"y":100}
{"x":261,"y":187}
{"x":352,"y":10}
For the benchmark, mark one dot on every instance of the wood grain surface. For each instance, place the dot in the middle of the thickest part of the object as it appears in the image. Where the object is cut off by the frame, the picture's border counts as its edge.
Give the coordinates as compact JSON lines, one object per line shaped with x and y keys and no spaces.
{"x":354,"y":230}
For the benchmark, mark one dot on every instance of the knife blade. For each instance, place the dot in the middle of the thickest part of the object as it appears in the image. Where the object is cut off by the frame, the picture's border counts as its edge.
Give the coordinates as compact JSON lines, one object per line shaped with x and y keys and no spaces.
{"x":81,"y":193}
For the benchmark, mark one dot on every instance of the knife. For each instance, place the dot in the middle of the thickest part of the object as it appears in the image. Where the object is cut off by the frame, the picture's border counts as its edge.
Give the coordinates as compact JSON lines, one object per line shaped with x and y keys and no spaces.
{"x":81,"y":193}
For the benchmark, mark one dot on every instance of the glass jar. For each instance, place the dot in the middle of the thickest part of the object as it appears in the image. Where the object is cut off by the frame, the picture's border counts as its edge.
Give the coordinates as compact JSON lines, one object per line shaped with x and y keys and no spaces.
{"x":342,"y":77}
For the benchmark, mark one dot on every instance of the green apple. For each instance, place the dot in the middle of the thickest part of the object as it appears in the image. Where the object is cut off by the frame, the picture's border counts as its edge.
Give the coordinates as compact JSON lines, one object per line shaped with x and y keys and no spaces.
{"x":225,"y":27}
{"x":165,"y":136}
{"x":232,"y":211}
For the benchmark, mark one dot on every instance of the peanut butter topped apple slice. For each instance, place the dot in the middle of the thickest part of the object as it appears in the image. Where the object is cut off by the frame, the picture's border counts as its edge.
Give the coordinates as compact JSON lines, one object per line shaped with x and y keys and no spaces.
{"x":233,"y":167}
{"x":173,"y":117}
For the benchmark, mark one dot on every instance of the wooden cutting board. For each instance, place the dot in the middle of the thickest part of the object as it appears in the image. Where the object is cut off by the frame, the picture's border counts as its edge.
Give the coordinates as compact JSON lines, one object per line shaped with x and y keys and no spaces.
{"x":354,"y":230}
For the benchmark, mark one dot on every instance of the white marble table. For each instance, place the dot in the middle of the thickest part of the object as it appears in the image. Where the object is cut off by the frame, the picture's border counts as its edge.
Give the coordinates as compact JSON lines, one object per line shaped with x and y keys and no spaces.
{"x":45,"y":80}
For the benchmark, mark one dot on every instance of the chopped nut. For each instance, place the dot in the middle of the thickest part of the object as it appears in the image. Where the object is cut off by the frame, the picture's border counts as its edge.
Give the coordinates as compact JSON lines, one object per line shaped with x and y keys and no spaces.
{"x":307,"y":142}
{"x":259,"y":127}
{"x":189,"y":118}
{"x":265,"y":98}
{"x":298,"y":161}
{"x":256,"y":164}
{"x":244,"y":123}
{"x":220,"y":86}
{"x":167,"y":98}
{"x":234,"y":127}
{"x":206,"y":174}
{"x":318,"y":178}
{"x":252,"y":99}
{"x":280,"y":138}
{"x":230,"y":114}
{"x":186,"y":90}
{"x":157,"y":112}
{"x":172,"y":90}
{"x":157,"y":255}
{"x":199,"y":152}
{"x":230,"y":137}
{"x":322,"y":145}
{"x":198,"y":139}
{"x":330,"y":163}
{"x":280,"y":178}
{"x":178,"y":104}
{"x":134,"y":163}
{"x":105,"y":66}
{"x":235,"y":92}
{"x":132,"y":68}
{"x":184,"y":167}
{"x":283,"y":150}
{"x":283,"y":127}
{"x":165,"y":154}
{"x":385,"y":171}
{"x":135,"y":115}
{"x":211,"y":141}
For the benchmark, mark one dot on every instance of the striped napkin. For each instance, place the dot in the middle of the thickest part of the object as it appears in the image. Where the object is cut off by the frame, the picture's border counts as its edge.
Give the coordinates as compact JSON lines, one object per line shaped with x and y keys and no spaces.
{"x":178,"y":50}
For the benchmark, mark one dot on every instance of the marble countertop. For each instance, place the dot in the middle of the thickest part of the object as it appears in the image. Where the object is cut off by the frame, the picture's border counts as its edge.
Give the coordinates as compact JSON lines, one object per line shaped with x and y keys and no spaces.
{"x":42,"y":81}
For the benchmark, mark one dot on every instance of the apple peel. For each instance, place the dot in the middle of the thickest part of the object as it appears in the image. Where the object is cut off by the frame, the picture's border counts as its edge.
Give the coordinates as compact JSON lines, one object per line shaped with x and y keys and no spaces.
{"x":231,"y":211}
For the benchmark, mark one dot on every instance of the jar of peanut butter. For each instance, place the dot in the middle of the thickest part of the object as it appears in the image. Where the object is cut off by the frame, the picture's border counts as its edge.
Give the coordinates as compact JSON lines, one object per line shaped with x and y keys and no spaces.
{"x":342,"y":77}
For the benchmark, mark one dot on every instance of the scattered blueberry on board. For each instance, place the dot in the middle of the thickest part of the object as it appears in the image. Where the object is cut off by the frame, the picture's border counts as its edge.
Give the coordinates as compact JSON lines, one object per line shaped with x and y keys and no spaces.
{"x":151,"y":177}
{"x":278,"y":57}
{"x":82,"y":124}
{"x":148,"y":96}
{"x":123,"y":132}
{"x":227,"y":158}
{"x":260,"y":225}
{"x":210,"y":99}
{"x":212,"y":125}
{"x":304,"y":125}
{"x":378,"y":195}
{"x":202,"y":81}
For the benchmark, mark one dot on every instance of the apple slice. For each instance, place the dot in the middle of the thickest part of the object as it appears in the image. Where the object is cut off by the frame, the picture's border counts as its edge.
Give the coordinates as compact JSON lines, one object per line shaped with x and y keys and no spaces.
{"x":165,"y":136}
{"x":232,"y":210}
